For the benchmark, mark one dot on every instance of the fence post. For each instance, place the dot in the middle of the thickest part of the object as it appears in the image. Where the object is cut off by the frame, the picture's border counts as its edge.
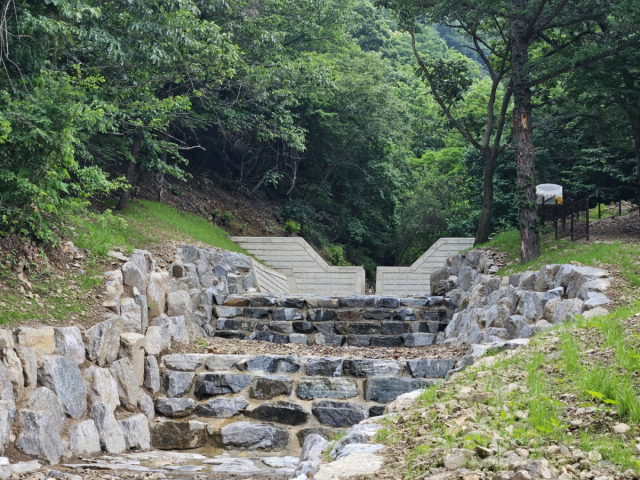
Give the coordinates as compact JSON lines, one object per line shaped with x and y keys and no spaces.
{"x":619,"y":203}
{"x":571,"y":224}
{"x":587,"y":225}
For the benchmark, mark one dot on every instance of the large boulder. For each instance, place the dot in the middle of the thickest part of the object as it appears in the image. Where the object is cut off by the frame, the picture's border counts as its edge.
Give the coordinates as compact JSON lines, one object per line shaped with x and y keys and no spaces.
{"x":210,"y":384}
{"x":102,"y":341}
{"x":253,"y":436}
{"x":132,"y":347}
{"x":173,"y":328}
{"x":84,"y":439}
{"x":268,"y":387}
{"x":176,"y":435}
{"x":114,"y":290}
{"x":123,"y":373}
{"x":29,"y":365}
{"x":14,"y":367}
{"x":63,"y":377}
{"x":339,"y":414}
{"x":372,"y":368}
{"x":280,"y":412}
{"x":101,"y":386}
{"x":40,"y":340}
{"x":222,"y":407}
{"x":7,"y":415}
{"x":42,"y":423}
{"x":176,"y":384}
{"x":175,"y":407}
{"x":156,"y":294}
{"x":136,"y":432}
{"x":131,"y":314}
{"x":111,"y":436}
{"x":69,"y":344}
{"x":310,"y":388}
{"x":151,"y":374}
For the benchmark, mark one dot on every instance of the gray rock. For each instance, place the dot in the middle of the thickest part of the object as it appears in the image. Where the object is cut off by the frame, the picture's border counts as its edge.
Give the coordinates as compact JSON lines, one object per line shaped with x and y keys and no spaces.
{"x":596,"y":300}
{"x":186,"y":362}
{"x":210,"y":384}
{"x":418,"y":339}
{"x":330,"y":340}
{"x":175,"y":407}
{"x":339,"y":414}
{"x":111,"y":436}
{"x":14,"y":367}
{"x":157,"y":340}
{"x":431,"y":367}
{"x":131,"y":314}
{"x":514,"y":325}
{"x":223,"y":363}
{"x":41,"y":340}
{"x":600,"y":285}
{"x":63,"y":377}
{"x":281,"y":327}
{"x":372,"y":368}
{"x":134,"y":276}
{"x":268,"y":387}
{"x":151,"y":374}
{"x":530,"y":306}
{"x":102,"y":341}
{"x":6,"y":385}
{"x":127,"y":382}
{"x":458,"y":458}
{"x":7,"y":415}
{"x":362,"y":301}
{"x":528,"y":280}
{"x":179,"y":304}
{"x":356,"y":434}
{"x":145,"y":403}
{"x":177,"y":384}
{"x":287,"y":314}
{"x":29,"y":365}
{"x":40,"y":436}
{"x":156,"y":294}
{"x":69,"y":344}
{"x":353,"y":448}
{"x":327,"y":433}
{"x":298,"y":338}
{"x":227,"y":312}
{"x":253,"y":436}
{"x":173,"y":327}
{"x":271,"y":364}
{"x":310,"y":388}
{"x":101,"y":386}
{"x":132,"y":347}
{"x":404,"y":315}
{"x":269,"y":337}
{"x":311,"y":455}
{"x":177,"y":435}
{"x":321,"y":315}
{"x":387,"y":389}
{"x":136,"y":432}
{"x":222,"y":407}
{"x":286,"y":413}
{"x":43,"y":399}
{"x":324,"y":367}
{"x":84,"y":439}
{"x":567,"y":309}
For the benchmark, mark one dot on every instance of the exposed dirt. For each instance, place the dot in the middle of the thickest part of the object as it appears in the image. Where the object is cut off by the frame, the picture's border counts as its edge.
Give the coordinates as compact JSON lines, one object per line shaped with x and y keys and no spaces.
{"x":624,"y":228}
{"x":212,"y":197}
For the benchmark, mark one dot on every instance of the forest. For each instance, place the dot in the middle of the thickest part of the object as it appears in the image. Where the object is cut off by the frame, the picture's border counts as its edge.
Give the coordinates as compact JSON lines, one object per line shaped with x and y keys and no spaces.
{"x":381,"y":126}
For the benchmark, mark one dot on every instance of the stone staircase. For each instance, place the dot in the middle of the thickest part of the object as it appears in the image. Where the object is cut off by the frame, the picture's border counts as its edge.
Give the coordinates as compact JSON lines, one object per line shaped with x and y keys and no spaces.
{"x":270,"y":403}
{"x":361,"y":321}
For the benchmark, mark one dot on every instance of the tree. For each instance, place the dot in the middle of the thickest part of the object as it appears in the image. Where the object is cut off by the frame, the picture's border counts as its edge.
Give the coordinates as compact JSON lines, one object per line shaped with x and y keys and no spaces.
{"x":537,"y":41}
{"x":449,"y":82}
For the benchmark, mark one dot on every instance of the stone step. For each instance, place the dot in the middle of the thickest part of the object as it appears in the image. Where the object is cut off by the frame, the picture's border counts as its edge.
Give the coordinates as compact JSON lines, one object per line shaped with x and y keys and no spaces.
{"x":359,"y":321}
{"x":271,"y":402}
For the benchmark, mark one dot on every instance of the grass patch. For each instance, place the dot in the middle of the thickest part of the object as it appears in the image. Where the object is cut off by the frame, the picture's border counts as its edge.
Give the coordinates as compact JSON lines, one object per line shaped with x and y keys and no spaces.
{"x":145,"y":224}
{"x":624,"y":255}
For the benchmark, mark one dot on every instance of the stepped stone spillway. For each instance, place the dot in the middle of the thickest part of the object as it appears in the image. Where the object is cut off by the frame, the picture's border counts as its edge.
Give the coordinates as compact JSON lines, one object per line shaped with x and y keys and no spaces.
{"x":67,"y":393}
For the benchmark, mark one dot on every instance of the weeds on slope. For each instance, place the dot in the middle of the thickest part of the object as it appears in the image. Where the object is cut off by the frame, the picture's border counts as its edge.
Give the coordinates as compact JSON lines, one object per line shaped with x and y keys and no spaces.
{"x":568,"y":388}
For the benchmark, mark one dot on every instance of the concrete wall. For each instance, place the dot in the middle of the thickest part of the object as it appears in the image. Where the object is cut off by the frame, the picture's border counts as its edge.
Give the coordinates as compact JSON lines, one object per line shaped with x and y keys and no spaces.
{"x":269,"y":280}
{"x":306,"y":270}
{"x":416,"y":279}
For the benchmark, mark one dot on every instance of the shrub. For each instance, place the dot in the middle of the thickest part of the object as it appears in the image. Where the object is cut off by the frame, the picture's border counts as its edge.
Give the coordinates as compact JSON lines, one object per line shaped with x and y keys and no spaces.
{"x":292,"y":227}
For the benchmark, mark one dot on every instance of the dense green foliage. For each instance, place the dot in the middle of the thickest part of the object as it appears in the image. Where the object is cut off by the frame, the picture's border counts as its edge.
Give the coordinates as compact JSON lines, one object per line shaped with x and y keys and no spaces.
{"x":315,"y":102}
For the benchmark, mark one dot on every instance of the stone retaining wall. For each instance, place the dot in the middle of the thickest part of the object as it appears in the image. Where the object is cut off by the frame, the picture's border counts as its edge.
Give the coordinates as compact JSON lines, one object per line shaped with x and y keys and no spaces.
{"x":271,"y":403}
{"x":307,"y":271}
{"x":358,"y":320}
{"x":415,"y":280}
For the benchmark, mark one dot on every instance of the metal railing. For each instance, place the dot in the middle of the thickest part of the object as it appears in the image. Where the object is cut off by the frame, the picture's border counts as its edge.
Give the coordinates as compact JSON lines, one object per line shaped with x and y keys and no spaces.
{"x":617,"y":190}
{"x":569,"y":219}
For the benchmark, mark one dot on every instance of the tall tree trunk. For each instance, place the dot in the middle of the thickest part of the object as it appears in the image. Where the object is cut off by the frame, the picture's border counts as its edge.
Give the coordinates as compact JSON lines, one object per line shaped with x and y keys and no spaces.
{"x":125,"y":196}
{"x":484,"y":225}
{"x":523,"y":129}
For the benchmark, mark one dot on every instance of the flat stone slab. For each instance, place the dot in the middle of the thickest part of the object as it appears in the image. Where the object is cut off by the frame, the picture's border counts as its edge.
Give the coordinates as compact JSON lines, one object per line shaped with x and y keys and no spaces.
{"x":253,"y":436}
{"x":310,"y":388}
{"x":350,"y":466}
